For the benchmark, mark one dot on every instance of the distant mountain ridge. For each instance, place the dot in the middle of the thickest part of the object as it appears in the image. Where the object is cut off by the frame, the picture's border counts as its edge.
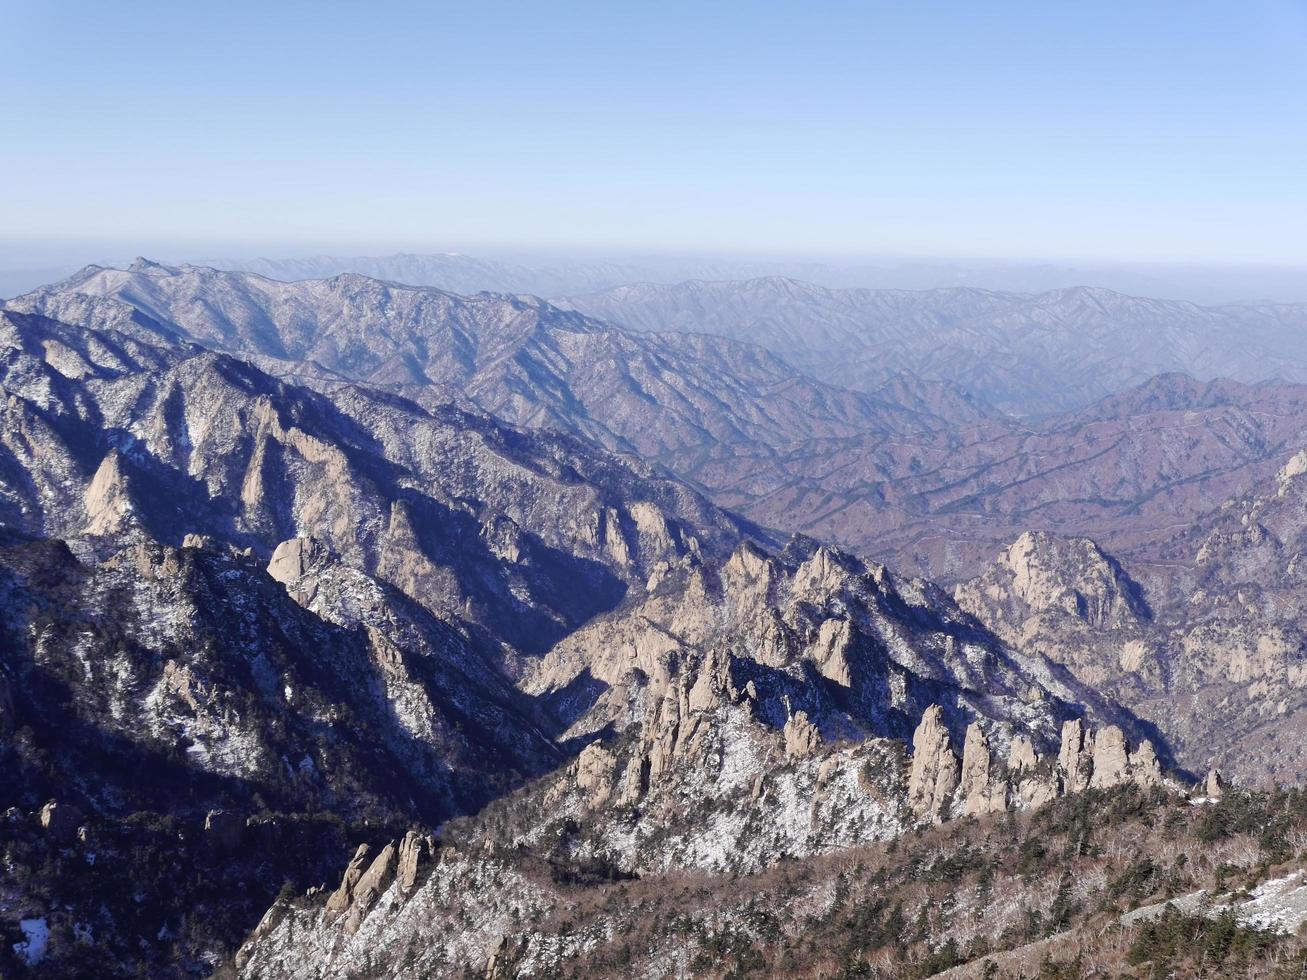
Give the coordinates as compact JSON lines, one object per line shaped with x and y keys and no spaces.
{"x":1027,"y":354}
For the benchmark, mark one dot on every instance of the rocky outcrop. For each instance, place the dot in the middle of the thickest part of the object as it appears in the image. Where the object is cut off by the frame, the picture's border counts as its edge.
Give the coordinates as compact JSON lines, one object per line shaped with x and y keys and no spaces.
{"x":1075,"y":757}
{"x":938,"y":786}
{"x":109,"y":507}
{"x":371,"y":886}
{"x":595,"y":769}
{"x":1100,"y":760}
{"x":1022,"y":755}
{"x":801,"y":736}
{"x":361,"y":886}
{"x":981,"y":791}
{"x":364,"y":881}
{"x":1042,"y":573}
{"x":1214,"y":785}
{"x":339,"y":901}
{"x":414,"y":849}
{"x":60,"y":821}
{"x":934,"y":774}
{"x":1110,"y":765}
{"x":293,"y":558}
{"x":1145,"y":767}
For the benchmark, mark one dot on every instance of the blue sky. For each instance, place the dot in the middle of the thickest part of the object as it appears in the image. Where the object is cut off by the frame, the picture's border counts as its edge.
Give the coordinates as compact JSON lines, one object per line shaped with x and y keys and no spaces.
{"x":1106,"y":130}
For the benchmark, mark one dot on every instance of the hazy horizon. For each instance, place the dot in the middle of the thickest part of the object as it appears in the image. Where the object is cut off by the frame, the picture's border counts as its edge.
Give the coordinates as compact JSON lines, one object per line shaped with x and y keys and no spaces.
{"x":24,"y":266}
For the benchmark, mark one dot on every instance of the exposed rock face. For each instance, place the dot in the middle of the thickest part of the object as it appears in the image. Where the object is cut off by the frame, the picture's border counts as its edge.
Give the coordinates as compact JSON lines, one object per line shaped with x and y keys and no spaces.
{"x":1022,"y":755}
{"x":1068,"y":600}
{"x":108,"y":503}
{"x":1075,"y":758}
{"x":1213,"y":785}
{"x":1145,"y":768}
{"x":365,"y":881}
{"x":61,"y":820}
{"x":595,"y":771}
{"x":1086,"y":759}
{"x":1111,"y":759}
{"x":934,"y":775}
{"x":1040,"y":573}
{"x":339,"y":902}
{"x":370,"y":886}
{"x":293,"y":558}
{"x":1103,"y":759}
{"x":801,"y":736}
{"x":413,"y":850}
{"x":981,"y":792}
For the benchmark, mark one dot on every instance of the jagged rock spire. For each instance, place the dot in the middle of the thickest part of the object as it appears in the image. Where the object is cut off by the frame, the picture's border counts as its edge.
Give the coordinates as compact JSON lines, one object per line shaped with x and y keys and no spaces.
{"x":981,"y":791}
{"x":934,"y":776}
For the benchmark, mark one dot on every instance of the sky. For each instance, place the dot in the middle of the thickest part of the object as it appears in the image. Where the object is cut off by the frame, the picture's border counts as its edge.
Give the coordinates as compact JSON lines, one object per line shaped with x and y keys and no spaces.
{"x":1135,"y":130}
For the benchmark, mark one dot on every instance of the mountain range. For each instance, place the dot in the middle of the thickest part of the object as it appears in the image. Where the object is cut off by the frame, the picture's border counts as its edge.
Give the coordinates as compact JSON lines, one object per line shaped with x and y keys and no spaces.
{"x":530,"y":611}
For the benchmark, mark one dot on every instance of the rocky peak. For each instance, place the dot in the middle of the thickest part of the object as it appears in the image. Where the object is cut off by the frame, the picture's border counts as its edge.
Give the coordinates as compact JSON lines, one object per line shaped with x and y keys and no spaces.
{"x":1102,"y":759}
{"x":940,"y":787}
{"x":934,"y":774}
{"x":108,"y":501}
{"x":1040,"y":573}
{"x":981,"y":792}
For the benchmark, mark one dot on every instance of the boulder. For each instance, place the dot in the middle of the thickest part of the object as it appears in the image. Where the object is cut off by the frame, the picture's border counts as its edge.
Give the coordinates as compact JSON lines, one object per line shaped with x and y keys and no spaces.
{"x":293,"y":558}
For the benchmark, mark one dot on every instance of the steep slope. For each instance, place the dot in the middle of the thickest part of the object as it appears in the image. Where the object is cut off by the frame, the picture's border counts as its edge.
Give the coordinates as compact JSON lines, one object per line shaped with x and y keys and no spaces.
{"x":342,"y":616}
{"x":471,"y":517}
{"x":918,"y":473}
{"x":1024,"y":353}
